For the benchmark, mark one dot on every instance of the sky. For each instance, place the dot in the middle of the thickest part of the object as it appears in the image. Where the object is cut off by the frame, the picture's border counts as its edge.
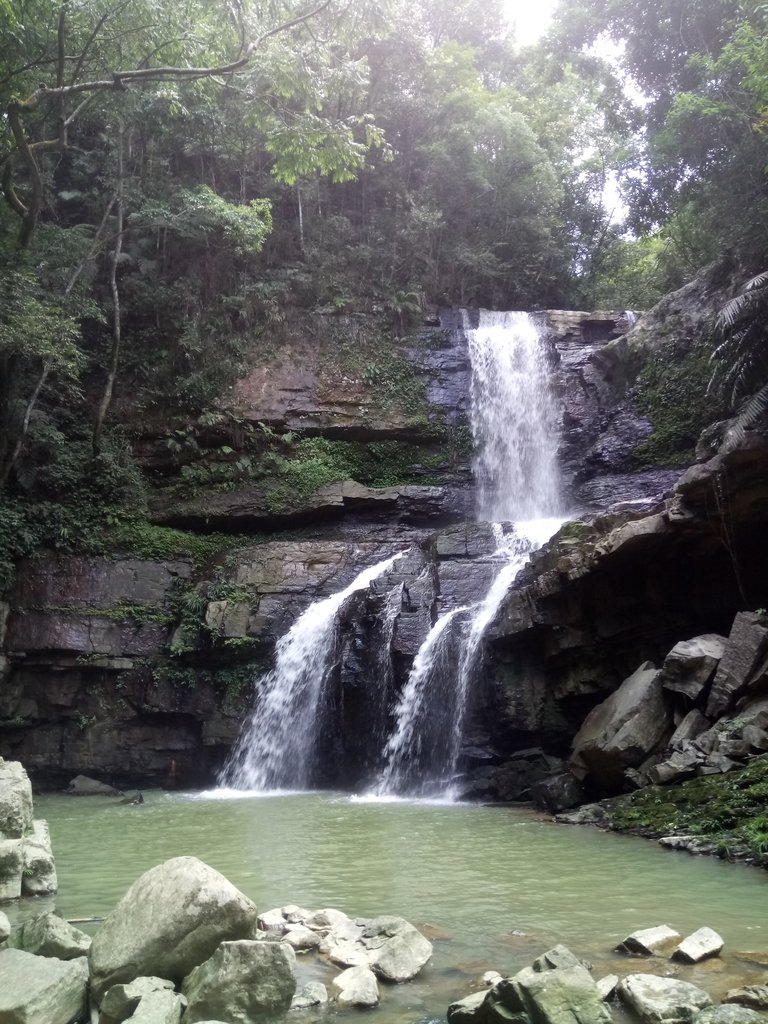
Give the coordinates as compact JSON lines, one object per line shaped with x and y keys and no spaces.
{"x":530,"y":18}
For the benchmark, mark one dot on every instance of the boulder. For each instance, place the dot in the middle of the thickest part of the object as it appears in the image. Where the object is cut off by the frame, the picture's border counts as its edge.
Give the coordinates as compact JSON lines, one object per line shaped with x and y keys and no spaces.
{"x":170,"y":920}
{"x":558,"y":792}
{"x":243,"y":981}
{"x":160,"y":1007}
{"x":746,"y":646}
{"x":655,"y":1000}
{"x":11,"y":862}
{"x":50,"y":935}
{"x":623,"y":731}
{"x":701,"y":945}
{"x":321,"y":920}
{"x":469,"y":1010}
{"x":567,"y":995}
{"x":399,"y":950}
{"x":357,"y":986}
{"x":691,"y":726}
{"x":658,"y":941}
{"x":691,"y":665}
{"x":491,"y":978}
{"x":15,"y":800}
{"x":314,"y":993}
{"x":82,"y":785}
{"x":120,"y":1001}
{"x":683,"y":764}
{"x":301,"y":938}
{"x":730,"y":1013}
{"x":38,"y":875}
{"x":272,"y":921}
{"x":558,"y":956}
{"x":390,"y":946}
{"x":5,"y":926}
{"x":41,"y":990}
{"x":755,"y":996}
{"x":607,"y":986}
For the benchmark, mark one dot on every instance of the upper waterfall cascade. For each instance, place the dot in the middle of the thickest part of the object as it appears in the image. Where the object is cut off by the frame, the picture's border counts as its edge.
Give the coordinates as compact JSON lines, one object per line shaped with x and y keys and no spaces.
{"x":514,"y":419}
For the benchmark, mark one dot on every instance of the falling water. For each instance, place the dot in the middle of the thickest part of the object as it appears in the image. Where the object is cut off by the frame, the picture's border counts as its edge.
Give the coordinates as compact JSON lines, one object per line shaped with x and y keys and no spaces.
{"x":513,"y":419}
{"x":276,"y":750}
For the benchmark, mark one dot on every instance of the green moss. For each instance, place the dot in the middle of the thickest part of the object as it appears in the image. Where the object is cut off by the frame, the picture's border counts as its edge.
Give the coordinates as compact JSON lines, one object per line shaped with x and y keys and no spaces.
{"x":671,"y":392}
{"x":729,"y":810}
{"x":142,"y":539}
{"x":230,"y":681}
{"x":123,"y":611}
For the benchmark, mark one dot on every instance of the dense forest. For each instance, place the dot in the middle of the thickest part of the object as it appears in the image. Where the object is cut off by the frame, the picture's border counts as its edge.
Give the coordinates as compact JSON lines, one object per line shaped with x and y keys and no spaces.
{"x":176,"y":176}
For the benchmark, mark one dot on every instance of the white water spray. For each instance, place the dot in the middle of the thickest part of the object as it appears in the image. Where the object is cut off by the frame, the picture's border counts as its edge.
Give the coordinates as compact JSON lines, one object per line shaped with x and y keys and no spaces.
{"x":514,"y":419}
{"x":276,"y":750}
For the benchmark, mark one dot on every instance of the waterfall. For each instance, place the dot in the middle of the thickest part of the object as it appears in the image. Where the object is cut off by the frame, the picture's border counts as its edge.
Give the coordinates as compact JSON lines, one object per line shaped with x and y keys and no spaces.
{"x":276,"y":750}
{"x":513,"y":418}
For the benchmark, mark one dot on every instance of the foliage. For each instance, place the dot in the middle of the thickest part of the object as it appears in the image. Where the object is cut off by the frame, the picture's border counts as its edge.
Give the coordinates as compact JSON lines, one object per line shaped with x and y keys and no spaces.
{"x":741,"y":358}
{"x":672,"y":391}
{"x":727,"y":809}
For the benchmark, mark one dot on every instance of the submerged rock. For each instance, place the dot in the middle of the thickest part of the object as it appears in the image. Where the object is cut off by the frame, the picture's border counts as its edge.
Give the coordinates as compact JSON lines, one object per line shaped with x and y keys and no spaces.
{"x":170,"y":920}
{"x":730,"y":1013}
{"x":312,"y":994}
{"x":658,"y":941}
{"x":701,"y":945}
{"x":755,"y":996}
{"x":83,"y":785}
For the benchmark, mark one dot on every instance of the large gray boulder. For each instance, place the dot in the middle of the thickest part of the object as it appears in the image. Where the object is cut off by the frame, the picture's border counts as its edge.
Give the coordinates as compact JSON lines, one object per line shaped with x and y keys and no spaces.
{"x":661,"y":1000}
{"x":170,"y":920}
{"x":747,"y":645}
{"x":41,"y":990}
{"x":50,"y":935}
{"x":242,"y":982}
{"x":15,"y":800}
{"x":567,"y":995}
{"x":621,"y":732}
{"x":38,"y":875}
{"x":691,"y":665}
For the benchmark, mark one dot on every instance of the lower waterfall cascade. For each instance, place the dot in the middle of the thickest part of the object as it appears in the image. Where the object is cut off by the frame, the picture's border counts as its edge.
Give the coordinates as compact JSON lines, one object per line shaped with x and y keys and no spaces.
{"x":276,"y":748}
{"x":513,"y":418}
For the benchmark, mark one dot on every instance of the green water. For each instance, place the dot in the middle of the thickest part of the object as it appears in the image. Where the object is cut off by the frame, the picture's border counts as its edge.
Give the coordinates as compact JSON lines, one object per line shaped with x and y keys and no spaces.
{"x":475,"y":875}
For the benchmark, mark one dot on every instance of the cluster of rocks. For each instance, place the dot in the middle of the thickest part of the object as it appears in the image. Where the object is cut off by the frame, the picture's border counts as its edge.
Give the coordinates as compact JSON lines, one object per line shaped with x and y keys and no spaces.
{"x":26,"y":862}
{"x":558,"y":988}
{"x":183,"y":944}
{"x":704,"y":712}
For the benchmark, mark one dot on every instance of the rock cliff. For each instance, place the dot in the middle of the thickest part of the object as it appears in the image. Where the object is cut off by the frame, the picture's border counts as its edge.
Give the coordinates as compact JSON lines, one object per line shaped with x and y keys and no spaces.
{"x":355,"y":445}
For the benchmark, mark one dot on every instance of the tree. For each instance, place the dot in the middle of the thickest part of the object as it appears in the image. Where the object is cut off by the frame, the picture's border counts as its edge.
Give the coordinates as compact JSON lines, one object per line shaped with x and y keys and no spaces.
{"x":101,"y":63}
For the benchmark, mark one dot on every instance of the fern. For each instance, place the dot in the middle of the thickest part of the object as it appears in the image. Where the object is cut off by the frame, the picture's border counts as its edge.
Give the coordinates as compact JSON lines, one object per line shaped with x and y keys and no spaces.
{"x":741,"y":357}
